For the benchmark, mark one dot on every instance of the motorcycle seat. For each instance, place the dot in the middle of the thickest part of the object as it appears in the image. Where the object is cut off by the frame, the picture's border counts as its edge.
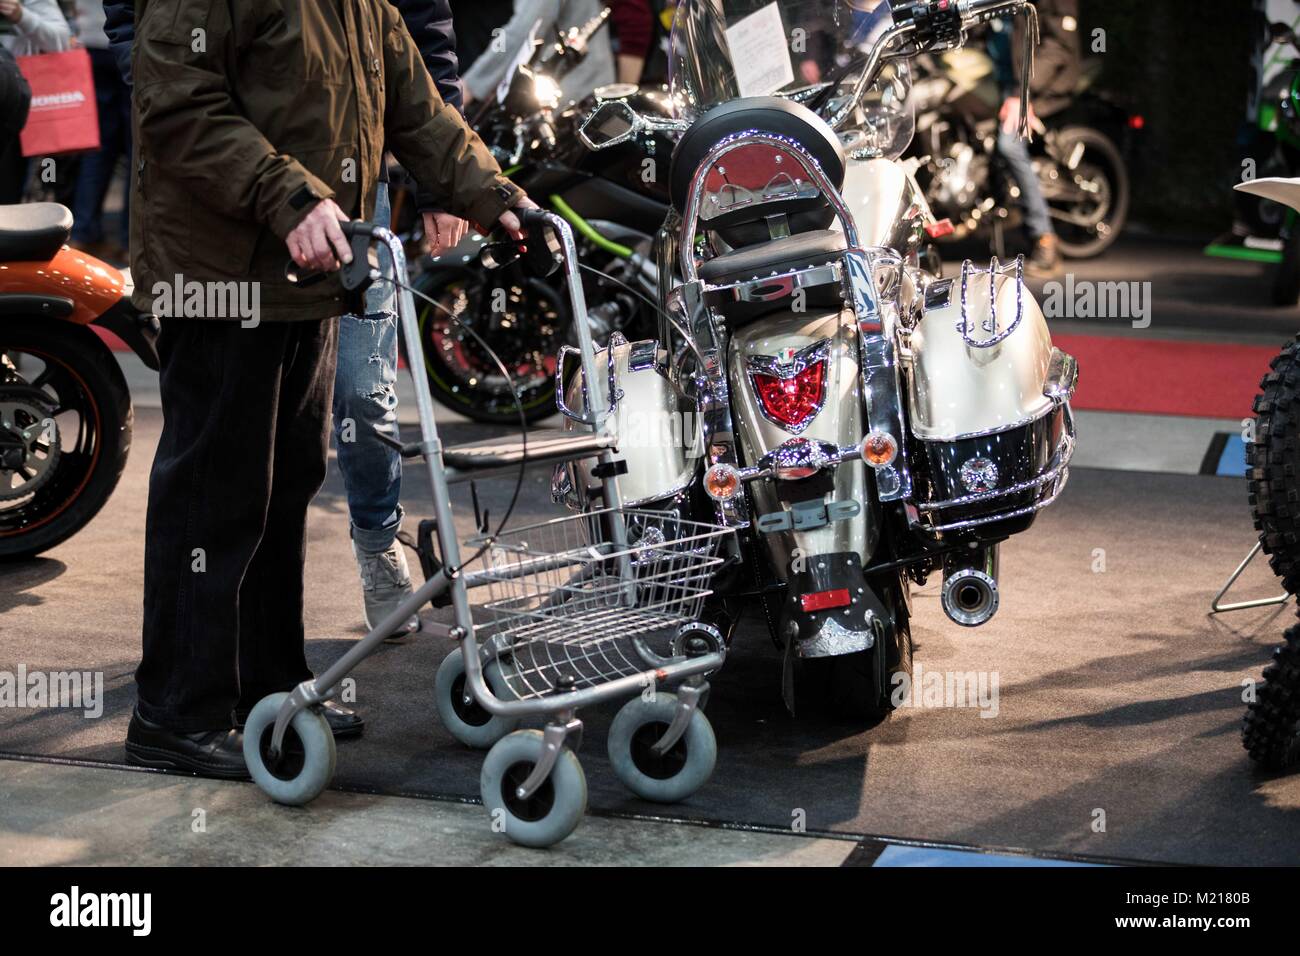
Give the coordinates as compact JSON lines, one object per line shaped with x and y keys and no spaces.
{"x":802,"y":251}
{"x":33,"y":232}
{"x":752,"y":264}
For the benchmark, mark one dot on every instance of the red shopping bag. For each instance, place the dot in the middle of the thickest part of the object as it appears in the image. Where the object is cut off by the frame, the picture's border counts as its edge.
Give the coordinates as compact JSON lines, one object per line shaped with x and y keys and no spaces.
{"x":63,"y":118}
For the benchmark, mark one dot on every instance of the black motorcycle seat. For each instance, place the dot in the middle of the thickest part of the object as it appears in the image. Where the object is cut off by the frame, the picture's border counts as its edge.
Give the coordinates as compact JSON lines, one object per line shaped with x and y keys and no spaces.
{"x":33,"y":232}
{"x":802,"y":251}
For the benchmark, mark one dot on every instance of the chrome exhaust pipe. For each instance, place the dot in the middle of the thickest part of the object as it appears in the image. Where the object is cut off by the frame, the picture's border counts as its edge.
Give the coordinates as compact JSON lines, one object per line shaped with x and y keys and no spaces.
{"x":970,"y":586}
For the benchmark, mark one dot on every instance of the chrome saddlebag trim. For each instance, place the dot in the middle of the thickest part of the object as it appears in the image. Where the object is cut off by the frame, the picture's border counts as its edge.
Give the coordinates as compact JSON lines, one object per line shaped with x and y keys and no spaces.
{"x":1025,"y":496}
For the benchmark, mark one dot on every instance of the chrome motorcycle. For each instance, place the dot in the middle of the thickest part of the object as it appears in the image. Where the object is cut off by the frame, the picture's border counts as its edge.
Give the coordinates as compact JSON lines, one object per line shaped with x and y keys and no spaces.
{"x":866,"y":422}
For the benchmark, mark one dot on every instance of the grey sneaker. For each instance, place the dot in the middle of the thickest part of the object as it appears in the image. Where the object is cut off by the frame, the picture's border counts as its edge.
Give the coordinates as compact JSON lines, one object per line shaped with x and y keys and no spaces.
{"x":385,"y":583}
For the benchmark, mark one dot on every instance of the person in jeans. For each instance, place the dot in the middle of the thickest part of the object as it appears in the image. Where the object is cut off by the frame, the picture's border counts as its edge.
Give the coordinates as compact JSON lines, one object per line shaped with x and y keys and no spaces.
{"x":239,"y":168}
{"x":95,"y":171}
{"x":1056,"y":72}
{"x":365,"y":402}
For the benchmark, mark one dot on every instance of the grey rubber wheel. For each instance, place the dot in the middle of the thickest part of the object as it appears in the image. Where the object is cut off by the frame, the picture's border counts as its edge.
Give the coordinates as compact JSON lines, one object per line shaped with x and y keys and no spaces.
{"x":550,"y":814}
{"x":306,"y":762}
{"x":675,"y":775}
{"x":468,"y":721}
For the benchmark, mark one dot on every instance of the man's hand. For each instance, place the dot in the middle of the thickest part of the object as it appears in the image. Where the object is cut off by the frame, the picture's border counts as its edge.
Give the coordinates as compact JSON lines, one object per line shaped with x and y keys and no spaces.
{"x":510,"y":222}
{"x":1010,"y":115}
{"x":442,"y":231}
{"x":11,"y":10}
{"x":317,"y":242}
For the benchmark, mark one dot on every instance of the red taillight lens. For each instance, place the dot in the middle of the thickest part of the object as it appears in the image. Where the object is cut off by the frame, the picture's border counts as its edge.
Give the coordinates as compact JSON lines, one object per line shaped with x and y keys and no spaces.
{"x":792,"y":401}
{"x":821,"y":600}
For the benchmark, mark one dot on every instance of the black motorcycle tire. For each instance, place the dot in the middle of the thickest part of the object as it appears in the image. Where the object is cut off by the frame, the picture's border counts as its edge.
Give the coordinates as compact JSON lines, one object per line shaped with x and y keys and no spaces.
{"x":108,"y":401}
{"x":1273,"y":465}
{"x":1286,"y":280}
{"x":496,"y":408}
{"x":1118,"y":181}
{"x":1271,"y":729}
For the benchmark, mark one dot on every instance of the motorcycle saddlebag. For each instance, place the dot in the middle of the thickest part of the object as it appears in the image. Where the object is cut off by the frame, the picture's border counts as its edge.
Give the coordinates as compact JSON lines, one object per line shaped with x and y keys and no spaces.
{"x":992,"y":433}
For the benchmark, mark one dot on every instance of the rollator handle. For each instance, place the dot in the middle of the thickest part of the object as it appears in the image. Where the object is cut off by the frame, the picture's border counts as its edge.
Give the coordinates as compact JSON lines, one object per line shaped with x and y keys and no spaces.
{"x":356,"y":275}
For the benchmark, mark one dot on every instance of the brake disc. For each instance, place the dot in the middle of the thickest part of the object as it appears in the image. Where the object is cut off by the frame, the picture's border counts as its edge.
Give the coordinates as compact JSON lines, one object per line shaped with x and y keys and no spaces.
{"x":29,"y":445}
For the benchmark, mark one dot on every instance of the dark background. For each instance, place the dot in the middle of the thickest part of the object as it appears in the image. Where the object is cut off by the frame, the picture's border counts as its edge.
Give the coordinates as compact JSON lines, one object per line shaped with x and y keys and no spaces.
{"x":1186,"y":67}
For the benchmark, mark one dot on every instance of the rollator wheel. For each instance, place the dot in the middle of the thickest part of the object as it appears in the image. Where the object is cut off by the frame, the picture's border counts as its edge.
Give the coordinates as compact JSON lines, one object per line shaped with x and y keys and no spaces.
{"x":468,"y":721}
{"x":553,"y":811}
{"x":306,"y":762}
{"x":672,"y":776}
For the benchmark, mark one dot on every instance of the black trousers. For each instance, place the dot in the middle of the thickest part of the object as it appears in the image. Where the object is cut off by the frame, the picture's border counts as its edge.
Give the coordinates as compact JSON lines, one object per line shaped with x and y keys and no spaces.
{"x":243,"y":452}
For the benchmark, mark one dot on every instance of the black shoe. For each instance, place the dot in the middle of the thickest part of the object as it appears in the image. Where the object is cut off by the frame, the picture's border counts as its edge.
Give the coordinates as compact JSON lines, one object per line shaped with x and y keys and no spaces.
{"x":343,"y":721}
{"x":209,"y":753}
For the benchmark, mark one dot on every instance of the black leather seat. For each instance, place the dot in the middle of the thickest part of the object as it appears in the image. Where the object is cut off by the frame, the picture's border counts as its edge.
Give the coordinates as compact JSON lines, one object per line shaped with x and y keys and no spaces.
{"x":804,"y":251}
{"x":780,"y":255}
{"x":33,"y":232}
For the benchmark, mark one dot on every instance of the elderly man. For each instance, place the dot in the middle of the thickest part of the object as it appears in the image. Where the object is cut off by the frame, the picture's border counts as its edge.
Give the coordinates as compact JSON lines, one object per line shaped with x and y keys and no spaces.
{"x":260,"y":125}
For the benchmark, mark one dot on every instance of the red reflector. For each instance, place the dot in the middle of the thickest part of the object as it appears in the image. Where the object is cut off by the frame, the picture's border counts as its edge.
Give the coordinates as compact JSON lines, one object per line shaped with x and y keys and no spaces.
{"x":792,"y":401}
{"x":939,"y":229}
{"x":1137,"y":122}
{"x":821,"y":600}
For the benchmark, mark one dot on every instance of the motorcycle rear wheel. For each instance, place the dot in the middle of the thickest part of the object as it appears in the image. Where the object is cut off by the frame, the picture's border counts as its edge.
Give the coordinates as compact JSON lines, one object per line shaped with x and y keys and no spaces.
{"x":66,"y":372}
{"x":860,"y":686}
{"x":1273,"y":461}
{"x":1101,"y":163}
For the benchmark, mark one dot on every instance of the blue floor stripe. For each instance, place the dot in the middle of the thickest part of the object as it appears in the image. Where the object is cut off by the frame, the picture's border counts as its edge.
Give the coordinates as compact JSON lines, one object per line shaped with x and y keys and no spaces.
{"x":932,"y":856}
{"x":1233,"y":460}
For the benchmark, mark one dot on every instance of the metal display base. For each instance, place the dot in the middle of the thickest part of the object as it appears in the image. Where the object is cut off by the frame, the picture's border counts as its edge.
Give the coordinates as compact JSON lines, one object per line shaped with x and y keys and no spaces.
{"x":1216,"y":607}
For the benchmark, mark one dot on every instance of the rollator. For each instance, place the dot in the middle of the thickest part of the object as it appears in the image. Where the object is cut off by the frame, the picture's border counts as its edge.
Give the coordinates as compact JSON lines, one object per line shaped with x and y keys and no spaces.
{"x":579,"y":610}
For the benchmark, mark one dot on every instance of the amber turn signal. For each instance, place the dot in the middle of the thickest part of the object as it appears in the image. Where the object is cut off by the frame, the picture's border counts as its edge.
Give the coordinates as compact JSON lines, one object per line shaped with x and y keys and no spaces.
{"x":879,"y":449}
{"x":721,"y":482}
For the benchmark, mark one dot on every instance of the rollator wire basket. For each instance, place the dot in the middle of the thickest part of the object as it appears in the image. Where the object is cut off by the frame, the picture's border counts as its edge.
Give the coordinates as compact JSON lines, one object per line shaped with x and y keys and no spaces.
{"x":565,"y":608}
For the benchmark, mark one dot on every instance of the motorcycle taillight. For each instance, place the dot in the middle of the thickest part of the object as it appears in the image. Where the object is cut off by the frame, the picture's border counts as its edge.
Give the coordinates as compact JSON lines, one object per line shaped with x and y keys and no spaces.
{"x":792,"y":401}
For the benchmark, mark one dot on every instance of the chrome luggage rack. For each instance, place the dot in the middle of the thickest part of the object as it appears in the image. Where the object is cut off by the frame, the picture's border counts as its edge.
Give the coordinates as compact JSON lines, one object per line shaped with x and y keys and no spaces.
{"x":990,"y":324}
{"x":1049,"y":483}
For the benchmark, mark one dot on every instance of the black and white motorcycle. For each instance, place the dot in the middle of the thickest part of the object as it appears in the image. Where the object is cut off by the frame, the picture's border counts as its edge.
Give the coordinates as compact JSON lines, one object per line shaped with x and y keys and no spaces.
{"x":863,"y":422}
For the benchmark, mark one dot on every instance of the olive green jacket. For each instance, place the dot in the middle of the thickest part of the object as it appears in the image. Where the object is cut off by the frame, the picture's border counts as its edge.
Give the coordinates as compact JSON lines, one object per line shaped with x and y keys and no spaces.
{"x":247,"y":112}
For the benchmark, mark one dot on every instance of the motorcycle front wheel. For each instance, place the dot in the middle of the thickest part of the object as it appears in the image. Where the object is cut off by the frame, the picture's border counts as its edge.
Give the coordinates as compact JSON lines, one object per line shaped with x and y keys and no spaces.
{"x":1273,"y":463}
{"x":1089,"y":204}
{"x":523,"y":320}
{"x":65,"y":432}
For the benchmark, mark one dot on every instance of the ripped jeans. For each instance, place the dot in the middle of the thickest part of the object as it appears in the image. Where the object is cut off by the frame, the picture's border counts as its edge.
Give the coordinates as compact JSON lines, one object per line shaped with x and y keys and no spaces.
{"x":365,"y":400}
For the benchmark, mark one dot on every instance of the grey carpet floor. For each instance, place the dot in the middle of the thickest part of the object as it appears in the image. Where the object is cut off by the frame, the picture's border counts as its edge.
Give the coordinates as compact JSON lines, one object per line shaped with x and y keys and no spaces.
{"x":1119,"y":707}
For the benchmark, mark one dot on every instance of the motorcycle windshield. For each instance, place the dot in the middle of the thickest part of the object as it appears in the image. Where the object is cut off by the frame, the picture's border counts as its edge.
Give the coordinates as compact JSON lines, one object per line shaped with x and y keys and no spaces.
{"x":810,"y":50}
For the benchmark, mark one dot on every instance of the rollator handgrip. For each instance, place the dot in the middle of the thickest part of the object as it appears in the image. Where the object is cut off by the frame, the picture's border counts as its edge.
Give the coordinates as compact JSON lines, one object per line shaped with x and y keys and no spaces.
{"x":406,"y":450}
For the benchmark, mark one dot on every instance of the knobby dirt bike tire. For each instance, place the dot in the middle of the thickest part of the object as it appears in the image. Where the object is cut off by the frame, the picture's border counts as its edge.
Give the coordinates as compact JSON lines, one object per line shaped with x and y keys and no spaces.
{"x":1273,"y":465}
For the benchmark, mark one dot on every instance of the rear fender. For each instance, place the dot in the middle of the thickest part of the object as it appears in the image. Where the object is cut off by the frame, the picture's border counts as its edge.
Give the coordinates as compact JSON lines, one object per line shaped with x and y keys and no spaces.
{"x":780,"y":507}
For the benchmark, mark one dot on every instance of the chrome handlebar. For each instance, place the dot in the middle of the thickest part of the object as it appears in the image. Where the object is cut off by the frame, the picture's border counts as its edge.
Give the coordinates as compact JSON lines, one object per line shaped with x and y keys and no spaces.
{"x":967,"y":13}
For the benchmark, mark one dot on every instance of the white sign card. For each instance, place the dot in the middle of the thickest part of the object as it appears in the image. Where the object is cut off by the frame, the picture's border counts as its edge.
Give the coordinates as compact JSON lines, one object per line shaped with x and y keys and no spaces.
{"x":760,"y":54}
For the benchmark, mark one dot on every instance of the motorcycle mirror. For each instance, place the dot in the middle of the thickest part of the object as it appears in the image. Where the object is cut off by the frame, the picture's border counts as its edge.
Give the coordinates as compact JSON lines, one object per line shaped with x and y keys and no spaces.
{"x":611,"y":123}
